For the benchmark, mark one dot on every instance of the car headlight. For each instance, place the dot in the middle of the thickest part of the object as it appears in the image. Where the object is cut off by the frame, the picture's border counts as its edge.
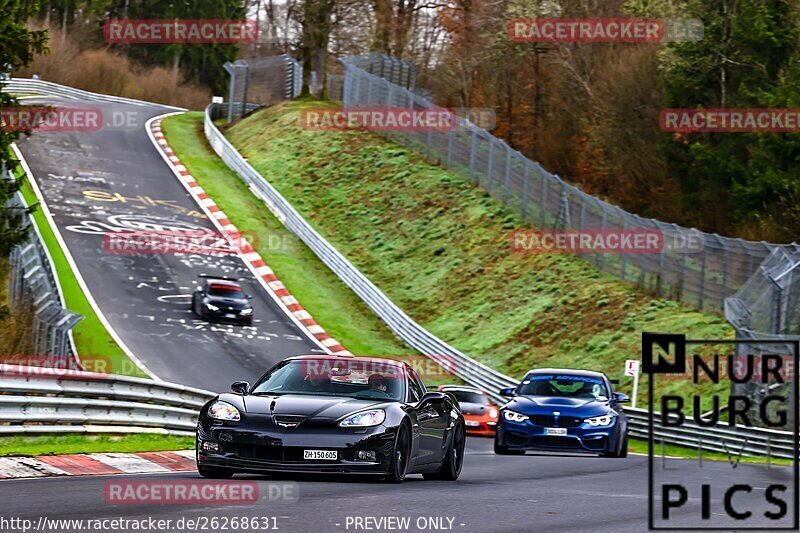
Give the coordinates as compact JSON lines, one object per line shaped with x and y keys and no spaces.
{"x":246,"y":311}
{"x":223,"y":411}
{"x":604,"y":420}
{"x":514,"y":417}
{"x":212,"y":307}
{"x":364,"y":419}
{"x":492,"y":413}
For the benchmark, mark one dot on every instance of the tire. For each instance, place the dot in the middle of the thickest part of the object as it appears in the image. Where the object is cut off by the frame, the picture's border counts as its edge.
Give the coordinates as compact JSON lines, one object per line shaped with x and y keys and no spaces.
{"x":499,"y":449}
{"x":214,"y":473}
{"x":454,"y":457}
{"x":622,"y":450}
{"x":400,"y":455}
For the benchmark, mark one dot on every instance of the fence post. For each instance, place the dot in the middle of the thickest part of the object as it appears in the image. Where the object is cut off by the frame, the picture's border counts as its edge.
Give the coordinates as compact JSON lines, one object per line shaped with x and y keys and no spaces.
{"x":450,"y":146}
{"x":546,"y":181}
{"x":702,"y":277}
{"x":489,"y":165}
{"x":507,"y":179}
{"x":472,"y":155}
{"x":525,"y":190}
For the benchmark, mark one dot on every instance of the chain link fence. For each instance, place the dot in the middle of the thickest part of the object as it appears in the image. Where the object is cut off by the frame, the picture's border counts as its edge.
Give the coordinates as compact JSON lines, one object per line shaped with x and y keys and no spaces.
{"x":32,"y":282}
{"x":697,"y":268}
{"x":261,"y":81}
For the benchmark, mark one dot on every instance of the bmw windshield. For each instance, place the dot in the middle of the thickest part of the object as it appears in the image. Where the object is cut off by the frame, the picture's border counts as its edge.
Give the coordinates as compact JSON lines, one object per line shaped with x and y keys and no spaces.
{"x":359,"y":379}
{"x":564,"y":386}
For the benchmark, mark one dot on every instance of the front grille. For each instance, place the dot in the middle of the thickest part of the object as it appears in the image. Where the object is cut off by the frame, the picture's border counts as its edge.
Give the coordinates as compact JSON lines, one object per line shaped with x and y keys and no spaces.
{"x":544,"y":420}
{"x":555,"y":442}
{"x":286,"y":454}
{"x":289,"y":421}
{"x":569,"y":421}
{"x":556,"y":421}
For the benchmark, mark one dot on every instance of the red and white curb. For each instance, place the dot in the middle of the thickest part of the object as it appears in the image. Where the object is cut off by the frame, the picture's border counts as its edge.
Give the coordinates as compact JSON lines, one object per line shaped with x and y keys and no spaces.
{"x":94,"y":464}
{"x":247,"y":252}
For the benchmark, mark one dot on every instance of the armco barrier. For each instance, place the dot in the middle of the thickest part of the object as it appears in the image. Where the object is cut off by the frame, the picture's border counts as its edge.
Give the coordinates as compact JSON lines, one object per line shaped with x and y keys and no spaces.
{"x":46,"y":400}
{"x":750,"y":441}
{"x":46,"y":88}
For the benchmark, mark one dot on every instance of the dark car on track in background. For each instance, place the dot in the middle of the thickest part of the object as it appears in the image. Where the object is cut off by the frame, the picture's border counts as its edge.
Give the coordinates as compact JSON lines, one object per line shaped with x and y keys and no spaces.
{"x":333,"y":414}
{"x":480,"y":414}
{"x":222,"y":300}
{"x":563,"y":410}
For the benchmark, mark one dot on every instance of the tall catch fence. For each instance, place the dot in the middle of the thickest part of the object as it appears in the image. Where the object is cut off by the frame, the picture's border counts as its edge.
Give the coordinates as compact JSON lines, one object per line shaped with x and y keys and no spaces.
{"x":261,"y":81}
{"x":700,"y":269}
{"x":32,"y":282}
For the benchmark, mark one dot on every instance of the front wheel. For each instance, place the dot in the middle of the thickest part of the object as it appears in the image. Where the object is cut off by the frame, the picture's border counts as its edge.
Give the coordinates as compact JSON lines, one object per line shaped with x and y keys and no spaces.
{"x":454,"y":457}
{"x":399,"y":463}
{"x":499,"y":449}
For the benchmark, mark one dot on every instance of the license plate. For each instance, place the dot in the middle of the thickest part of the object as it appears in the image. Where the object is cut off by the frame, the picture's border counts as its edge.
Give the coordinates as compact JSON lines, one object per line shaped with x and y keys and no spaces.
{"x":320,"y":455}
{"x":230,"y":315}
{"x":471,"y":423}
{"x":556,"y":432}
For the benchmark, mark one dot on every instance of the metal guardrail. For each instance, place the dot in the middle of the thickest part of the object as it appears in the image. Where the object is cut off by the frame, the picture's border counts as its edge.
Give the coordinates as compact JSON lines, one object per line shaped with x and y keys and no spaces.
{"x":32,"y":281}
{"x":47,"y":88}
{"x":754,"y":441}
{"x":48,"y":400}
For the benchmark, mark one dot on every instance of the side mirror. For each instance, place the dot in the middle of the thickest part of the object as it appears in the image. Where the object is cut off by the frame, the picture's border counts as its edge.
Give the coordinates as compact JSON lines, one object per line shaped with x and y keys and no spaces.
{"x":240,"y":387}
{"x":621,"y":398}
{"x":508,"y":392}
{"x":432,"y":397}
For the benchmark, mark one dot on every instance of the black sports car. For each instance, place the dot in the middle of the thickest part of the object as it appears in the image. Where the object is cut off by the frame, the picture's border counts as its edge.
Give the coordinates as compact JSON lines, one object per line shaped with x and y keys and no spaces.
{"x":223,"y":300}
{"x":337,"y":414}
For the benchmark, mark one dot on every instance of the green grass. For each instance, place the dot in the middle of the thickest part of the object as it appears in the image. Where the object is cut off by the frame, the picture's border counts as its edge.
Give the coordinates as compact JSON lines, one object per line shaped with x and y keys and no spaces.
{"x":65,"y":444}
{"x":97,"y":349}
{"x":329,"y":301}
{"x":671,"y":450}
{"x":438,"y":246}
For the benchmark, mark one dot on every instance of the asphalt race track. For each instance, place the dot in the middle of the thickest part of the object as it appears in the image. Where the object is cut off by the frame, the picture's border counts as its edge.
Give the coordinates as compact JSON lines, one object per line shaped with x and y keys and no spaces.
{"x":534,"y":493}
{"x":114,"y":180}
{"x":111,"y":180}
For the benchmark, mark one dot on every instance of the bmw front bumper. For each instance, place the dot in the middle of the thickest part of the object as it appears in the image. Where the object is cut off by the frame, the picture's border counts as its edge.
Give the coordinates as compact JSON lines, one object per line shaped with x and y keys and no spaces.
{"x":528,"y":436}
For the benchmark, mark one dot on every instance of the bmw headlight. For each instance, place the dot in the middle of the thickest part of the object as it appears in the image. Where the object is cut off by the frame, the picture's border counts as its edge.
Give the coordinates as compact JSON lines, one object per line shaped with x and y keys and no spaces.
{"x":514,"y":416}
{"x":212,"y":307}
{"x":223,"y":411}
{"x":364,"y":419}
{"x":604,"y":420}
{"x":246,"y":311}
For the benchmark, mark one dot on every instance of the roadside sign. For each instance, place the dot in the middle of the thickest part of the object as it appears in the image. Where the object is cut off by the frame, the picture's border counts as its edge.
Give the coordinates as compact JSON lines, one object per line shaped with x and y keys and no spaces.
{"x":632,"y":369}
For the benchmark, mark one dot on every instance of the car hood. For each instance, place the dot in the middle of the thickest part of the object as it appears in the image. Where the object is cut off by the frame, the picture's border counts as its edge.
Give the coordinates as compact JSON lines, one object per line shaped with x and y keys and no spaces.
{"x":582,"y":407}
{"x":469,"y":408}
{"x":330,"y":407}
{"x":237,"y":303}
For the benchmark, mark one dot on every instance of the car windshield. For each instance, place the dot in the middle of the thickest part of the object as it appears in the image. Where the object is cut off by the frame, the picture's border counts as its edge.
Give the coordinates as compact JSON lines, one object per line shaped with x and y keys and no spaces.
{"x":330,"y":377}
{"x":227,"y":291}
{"x":465,"y":396}
{"x":563,"y":385}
